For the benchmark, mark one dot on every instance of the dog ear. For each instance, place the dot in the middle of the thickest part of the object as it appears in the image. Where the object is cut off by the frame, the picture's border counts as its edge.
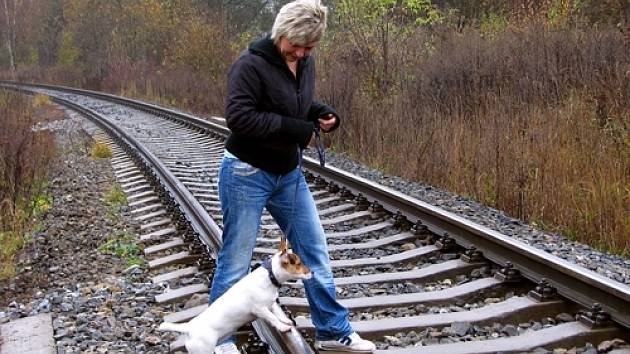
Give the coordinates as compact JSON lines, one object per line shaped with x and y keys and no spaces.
{"x":283,"y":245}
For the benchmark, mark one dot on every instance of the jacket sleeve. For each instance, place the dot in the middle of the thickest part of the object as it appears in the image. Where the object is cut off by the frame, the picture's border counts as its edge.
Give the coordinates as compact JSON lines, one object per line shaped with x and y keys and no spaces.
{"x":243,"y":117}
{"x":319,"y":109}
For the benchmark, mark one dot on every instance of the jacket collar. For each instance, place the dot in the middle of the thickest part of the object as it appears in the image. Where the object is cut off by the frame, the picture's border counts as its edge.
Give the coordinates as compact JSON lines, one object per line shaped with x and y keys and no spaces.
{"x":265,"y":48}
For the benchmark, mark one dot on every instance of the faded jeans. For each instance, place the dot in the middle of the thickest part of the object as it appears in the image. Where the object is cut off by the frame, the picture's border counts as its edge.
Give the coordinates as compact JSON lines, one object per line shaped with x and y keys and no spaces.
{"x":244,"y":191}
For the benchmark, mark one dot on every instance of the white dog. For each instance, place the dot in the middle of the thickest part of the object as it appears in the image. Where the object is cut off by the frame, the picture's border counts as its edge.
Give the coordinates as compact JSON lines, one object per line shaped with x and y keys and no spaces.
{"x":252,"y":297}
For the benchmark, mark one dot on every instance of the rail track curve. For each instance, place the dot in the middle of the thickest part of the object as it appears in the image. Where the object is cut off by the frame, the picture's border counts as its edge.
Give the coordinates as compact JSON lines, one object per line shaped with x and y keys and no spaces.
{"x":416,"y":278}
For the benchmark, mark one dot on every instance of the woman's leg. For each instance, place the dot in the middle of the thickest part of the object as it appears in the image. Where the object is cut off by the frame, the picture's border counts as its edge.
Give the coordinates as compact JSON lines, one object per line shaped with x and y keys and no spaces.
{"x":307,"y":239}
{"x":243,"y":191}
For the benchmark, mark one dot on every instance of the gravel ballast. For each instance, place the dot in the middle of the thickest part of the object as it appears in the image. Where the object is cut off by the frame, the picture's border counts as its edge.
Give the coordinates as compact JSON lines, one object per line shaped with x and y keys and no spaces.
{"x":98,"y":303}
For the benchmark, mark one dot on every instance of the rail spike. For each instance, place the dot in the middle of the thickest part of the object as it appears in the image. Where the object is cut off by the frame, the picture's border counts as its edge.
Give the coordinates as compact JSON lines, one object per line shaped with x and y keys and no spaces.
{"x":446,"y":243}
{"x":362,"y":203}
{"x":421,"y":231}
{"x":472,"y":255}
{"x":376,"y":207}
{"x":289,"y":313}
{"x":508,"y":274}
{"x":595,"y":318}
{"x":345,"y":193}
{"x":333,"y":188}
{"x":401,"y":222}
{"x":543,"y":292}
{"x":320,"y":182}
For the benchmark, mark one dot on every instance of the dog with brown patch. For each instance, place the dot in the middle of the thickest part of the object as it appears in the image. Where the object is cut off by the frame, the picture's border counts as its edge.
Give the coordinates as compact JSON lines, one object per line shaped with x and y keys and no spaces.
{"x":252,"y":297}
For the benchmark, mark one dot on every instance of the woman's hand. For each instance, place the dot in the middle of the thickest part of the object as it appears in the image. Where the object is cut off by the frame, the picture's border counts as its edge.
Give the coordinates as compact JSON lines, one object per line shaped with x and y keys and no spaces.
{"x":326,"y":123}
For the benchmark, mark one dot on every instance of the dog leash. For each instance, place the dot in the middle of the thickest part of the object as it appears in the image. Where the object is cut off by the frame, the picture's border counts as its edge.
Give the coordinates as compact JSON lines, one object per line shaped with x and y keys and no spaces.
{"x":266,"y":263}
{"x":284,"y":236}
{"x":321,"y":152}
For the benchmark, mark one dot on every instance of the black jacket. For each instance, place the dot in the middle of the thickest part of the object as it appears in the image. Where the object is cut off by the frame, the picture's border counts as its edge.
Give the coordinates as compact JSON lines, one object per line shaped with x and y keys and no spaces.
{"x":269,"y":111}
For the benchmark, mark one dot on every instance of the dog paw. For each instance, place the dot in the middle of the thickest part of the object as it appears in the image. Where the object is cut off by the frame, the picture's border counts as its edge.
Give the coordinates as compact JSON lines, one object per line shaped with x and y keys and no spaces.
{"x":283,"y":327}
{"x":286,"y":321}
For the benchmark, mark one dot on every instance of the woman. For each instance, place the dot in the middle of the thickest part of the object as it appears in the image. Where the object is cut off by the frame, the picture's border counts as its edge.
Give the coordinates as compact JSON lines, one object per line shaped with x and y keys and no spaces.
{"x":272,"y":116}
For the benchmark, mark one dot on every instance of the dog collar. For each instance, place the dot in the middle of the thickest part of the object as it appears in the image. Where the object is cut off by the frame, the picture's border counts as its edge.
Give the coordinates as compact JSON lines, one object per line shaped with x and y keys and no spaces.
{"x":267,"y":265}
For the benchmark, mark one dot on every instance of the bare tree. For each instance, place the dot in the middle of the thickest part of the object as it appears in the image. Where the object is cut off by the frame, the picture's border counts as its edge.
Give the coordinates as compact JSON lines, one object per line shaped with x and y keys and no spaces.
{"x":49,"y":32}
{"x":10,"y":30}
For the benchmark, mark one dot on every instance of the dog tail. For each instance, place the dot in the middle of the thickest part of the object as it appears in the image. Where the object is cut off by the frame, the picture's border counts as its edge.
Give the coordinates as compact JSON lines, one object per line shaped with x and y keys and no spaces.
{"x":174,"y":327}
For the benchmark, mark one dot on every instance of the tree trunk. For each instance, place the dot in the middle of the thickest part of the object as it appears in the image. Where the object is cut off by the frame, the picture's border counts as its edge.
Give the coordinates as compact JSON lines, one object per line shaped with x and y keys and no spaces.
{"x":10,"y":35}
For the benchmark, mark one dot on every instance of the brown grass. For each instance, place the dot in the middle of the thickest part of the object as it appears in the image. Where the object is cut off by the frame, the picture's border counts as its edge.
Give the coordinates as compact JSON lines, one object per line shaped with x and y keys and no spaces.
{"x":534,"y":122}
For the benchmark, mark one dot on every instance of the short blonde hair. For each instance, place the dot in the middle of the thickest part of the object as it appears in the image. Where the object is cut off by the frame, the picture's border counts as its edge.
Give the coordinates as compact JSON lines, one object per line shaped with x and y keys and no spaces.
{"x":302,"y":22}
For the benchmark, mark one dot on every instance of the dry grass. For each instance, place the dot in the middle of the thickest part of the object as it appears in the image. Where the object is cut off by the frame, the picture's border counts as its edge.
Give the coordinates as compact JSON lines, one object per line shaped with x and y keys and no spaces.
{"x":533,"y":122}
{"x":41,"y":100}
{"x":11,"y":239}
{"x":24,"y":155}
{"x":101,"y":150}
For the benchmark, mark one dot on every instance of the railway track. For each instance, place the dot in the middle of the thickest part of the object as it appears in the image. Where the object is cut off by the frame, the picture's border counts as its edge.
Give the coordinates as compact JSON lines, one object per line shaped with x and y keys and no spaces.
{"x":415,"y":278}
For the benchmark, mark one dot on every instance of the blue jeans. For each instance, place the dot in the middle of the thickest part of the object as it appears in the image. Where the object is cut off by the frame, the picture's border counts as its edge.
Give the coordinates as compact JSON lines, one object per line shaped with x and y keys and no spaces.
{"x":244,"y":191}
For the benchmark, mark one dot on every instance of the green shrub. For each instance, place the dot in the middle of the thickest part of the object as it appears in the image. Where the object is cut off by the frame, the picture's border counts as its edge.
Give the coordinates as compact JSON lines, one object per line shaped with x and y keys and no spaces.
{"x":123,"y":245}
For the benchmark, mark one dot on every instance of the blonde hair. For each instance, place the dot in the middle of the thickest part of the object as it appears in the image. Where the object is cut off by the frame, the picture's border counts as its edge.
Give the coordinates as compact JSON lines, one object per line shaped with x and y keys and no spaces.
{"x":302,"y":22}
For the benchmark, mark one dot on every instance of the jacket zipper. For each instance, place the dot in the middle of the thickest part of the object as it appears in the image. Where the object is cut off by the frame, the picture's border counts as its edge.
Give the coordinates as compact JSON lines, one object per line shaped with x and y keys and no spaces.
{"x":298,"y":75}
{"x":296,"y":82}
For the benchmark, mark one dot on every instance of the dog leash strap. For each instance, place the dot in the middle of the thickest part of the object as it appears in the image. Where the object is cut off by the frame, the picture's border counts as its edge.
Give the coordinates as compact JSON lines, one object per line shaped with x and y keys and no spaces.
{"x":321,"y":150}
{"x":295,"y":193}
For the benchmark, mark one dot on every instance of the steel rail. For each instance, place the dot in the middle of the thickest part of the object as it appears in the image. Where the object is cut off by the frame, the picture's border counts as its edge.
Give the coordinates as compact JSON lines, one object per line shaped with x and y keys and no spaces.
{"x":208,"y":232}
{"x":137,"y":104}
